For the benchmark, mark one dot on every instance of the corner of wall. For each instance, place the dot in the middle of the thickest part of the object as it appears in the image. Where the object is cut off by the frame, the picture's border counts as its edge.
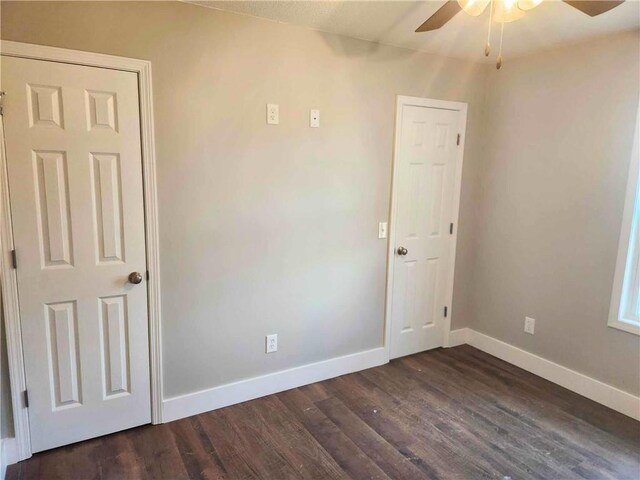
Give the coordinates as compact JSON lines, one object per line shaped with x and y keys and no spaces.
{"x":8,"y":454}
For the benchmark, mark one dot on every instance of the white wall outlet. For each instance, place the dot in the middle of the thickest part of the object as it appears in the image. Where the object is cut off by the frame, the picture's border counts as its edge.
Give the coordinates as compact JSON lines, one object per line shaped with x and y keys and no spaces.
{"x":272,"y":343}
{"x":382,"y":230}
{"x":314,"y":118}
{"x":529,"y":325}
{"x":273,"y":114}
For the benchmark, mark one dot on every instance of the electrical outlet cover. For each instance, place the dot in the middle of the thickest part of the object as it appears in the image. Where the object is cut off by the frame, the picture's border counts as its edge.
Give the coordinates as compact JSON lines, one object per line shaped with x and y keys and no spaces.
{"x":529,"y":325}
{"x":273,"y":114}
{"x":271,"y":343}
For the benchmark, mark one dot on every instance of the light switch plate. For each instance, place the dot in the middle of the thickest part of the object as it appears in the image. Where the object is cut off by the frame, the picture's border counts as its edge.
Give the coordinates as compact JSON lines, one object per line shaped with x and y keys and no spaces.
{"x":382,"y":230}
{"x":314,"y":118}
{"x":273,"y":114}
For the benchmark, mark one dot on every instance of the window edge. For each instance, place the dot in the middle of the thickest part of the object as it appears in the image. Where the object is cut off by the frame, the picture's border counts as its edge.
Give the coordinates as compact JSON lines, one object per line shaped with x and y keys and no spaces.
{"x":615,"y":320}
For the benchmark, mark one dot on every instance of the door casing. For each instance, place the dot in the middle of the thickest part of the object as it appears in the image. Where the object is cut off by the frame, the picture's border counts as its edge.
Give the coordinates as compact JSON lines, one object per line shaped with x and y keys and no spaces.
{"x":461,"y":107}
{"x":8,"y":277}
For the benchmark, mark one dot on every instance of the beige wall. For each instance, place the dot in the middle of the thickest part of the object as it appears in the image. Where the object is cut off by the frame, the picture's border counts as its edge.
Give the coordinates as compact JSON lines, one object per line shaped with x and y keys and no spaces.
{"x":265,"y":229}
{"x":555,"y":172}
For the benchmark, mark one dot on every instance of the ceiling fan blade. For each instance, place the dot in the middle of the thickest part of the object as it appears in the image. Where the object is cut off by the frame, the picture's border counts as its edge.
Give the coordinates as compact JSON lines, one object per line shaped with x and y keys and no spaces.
{"x":594,"y":7}
{"x":442,"y":16}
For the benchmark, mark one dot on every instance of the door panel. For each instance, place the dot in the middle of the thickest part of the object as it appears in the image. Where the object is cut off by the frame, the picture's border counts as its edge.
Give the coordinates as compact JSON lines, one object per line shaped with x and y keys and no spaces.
{"x":107,"y":201}
{"x":53,"y":208}
{"x":424,"y":189}
{"x":75,"y":177}
{"x":62,"y":335}
{"x":113,"y":323}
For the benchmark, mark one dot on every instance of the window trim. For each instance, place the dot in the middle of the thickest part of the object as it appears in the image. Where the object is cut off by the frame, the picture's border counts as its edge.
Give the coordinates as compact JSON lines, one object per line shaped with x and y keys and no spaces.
{"x":624,"y":245}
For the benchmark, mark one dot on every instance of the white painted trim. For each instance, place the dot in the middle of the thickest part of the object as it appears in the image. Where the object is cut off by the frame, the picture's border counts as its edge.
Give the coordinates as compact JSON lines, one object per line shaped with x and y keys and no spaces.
{"x":77,"y":57}
{"x":11,"y":311}
{"x":625,"y":239}
{"x":8,"y":276}
{"x":458,"y":337}
{"x":232,"y":393}
{"x":577,"y":382}
{"x":8,"y":454}
{"x":401,"y":101}
{"x":455,"y":218}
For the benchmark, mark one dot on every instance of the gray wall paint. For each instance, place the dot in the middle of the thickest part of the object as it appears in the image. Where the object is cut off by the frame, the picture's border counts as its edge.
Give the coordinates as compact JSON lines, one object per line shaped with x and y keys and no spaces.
{"x":555,"y":172}
{"x":265,"y":229}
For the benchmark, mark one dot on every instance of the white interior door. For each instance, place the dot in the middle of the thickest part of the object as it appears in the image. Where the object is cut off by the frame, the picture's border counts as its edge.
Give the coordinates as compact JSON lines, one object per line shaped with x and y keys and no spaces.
{"x":75,"y":180}
{"x":424,"y":189}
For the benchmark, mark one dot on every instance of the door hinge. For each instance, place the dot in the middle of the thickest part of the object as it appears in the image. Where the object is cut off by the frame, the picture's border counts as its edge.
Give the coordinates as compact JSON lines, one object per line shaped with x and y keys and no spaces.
{"x":26,"y":399}
{"x":458,"y":141}
{"x":446,"y":310}
{"x":2,"y":94}
{"x":451,"y":229}
{"x":14,"y":259}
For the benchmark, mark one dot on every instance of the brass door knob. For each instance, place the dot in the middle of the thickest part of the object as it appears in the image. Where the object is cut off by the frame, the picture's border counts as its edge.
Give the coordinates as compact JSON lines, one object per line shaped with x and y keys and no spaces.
{"x":135,"y":277}
{"x":402,"y":251}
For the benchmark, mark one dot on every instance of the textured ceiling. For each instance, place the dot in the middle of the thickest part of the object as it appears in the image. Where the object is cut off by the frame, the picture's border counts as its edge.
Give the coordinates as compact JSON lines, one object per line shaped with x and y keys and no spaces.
{"x":393,"y":23}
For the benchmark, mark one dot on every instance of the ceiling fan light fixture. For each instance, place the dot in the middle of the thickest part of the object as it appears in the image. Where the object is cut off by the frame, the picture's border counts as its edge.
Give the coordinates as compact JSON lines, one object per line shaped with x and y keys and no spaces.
{"x":528,"y":4}
{"x":506,"y":11}
{"x":473,"y":7}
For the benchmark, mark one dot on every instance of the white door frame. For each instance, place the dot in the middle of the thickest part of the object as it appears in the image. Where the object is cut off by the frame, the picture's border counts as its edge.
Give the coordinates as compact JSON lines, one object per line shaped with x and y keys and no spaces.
{"x":402,"y":101}
{"x":8,"y":277}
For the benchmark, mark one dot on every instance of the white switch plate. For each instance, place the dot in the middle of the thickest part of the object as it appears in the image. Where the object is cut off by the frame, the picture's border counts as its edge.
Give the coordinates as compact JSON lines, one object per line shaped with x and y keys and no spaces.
{"x":314,"y":118}
{"x":382,"y":230}
{"x":272,"y":343}
{"x":273,"y":114}
{"x":529,"y":325}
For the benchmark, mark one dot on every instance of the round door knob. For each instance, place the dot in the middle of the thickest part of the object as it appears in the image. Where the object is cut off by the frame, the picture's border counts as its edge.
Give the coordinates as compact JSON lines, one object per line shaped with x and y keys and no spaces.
{"x":135,"y":277}
{"x":402,"y":251}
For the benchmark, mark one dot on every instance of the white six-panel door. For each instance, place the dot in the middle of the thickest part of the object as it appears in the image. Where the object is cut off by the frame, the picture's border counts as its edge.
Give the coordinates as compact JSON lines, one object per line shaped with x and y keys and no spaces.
{"x":424,"y":190}
{"x":75,"y":179}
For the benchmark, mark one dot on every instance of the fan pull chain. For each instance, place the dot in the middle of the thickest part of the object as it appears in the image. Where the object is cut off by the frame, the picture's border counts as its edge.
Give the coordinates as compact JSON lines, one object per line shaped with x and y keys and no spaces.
{"x":487,"y":48}
{"x":499,"y":60}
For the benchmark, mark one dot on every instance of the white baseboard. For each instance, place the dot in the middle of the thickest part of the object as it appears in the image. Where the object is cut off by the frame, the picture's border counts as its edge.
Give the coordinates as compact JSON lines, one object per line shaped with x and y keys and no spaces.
{"x":591,"y":388}
{"x":203,"y":401}
{"x":458,"y":337}
{"x":232,"y":393}
{"x":8,"y":454}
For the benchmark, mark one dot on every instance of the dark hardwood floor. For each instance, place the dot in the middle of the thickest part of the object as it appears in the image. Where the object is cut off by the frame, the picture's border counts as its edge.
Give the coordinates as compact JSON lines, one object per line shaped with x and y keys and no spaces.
{"x":455,"y":413}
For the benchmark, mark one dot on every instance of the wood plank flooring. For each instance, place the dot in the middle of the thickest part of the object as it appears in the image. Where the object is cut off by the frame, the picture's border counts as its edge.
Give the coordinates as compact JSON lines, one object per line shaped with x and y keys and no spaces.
{"x":456,"y":413}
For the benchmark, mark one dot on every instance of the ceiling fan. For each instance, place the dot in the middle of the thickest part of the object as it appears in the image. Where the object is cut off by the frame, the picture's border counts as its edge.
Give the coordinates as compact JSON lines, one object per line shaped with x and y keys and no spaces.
{"x":505,"y":11}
